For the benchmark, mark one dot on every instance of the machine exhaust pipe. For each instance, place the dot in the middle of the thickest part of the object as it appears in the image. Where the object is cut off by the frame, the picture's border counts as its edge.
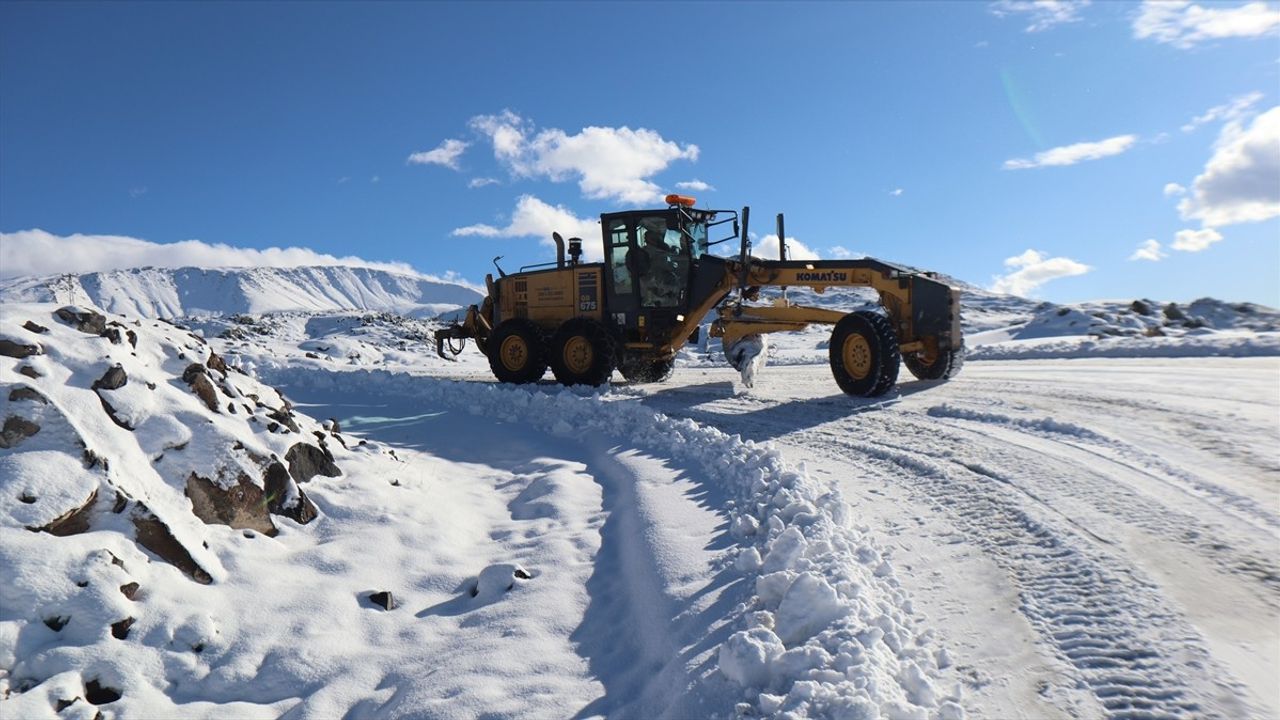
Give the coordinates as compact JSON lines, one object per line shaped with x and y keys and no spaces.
{"x":559,"y":249}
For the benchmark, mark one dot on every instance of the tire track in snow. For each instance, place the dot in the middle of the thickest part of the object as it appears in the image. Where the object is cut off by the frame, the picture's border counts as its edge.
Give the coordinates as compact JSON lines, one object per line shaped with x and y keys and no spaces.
{"x":1097,"y":612}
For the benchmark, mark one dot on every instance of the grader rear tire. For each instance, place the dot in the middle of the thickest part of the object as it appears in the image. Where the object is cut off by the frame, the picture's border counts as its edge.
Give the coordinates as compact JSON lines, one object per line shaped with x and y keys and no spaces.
{"x":864,"y":354}
{"x":516,"y":352}
{"x":647,"y":371}
{"x":582,"y":353}
{"x":944,"y":366}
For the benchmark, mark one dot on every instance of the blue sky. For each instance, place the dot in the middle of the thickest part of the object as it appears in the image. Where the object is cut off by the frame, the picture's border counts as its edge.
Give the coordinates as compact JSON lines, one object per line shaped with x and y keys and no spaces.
{"x":1032,"y":147}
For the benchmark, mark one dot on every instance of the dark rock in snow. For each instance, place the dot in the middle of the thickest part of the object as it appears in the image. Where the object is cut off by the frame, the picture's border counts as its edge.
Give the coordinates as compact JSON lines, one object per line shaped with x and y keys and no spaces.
{"x":133,"y":338}
{"x":284,"y":497}
{"x":114,"y":379}
{"x":217,"y":363}
{"x":1173,"y":312}
{"x":99,"y":694}
{"x":18,"y":350}
{"x":240,"y":506}
{"x":15,"y":430}
{"x":29,"y":372}
{"x":1140,"y":307}
{"x":191,"y":372}
{"x":86,"y":321}
{"x":129,"y":590}
{"x":120,"y":629}
{"x":155,"y":536}
{"x":306,"y":461}
{"x":284,"y":417}
{"x":35,"y":328}
{"x":111,"y":413}
{"x":63,"y":704}
{"x":22,"y":392}
{"x":57,"y":622}
{"x":74,"y":521}
{"x":204,"y":390}
{"x":114,"y":335}
{"x":384,"y":600}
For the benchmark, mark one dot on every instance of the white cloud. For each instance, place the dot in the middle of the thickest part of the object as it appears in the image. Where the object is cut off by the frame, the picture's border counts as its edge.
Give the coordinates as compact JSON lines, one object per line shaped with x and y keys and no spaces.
{"x":1241,"y":181}
{"x":896,"y":192}
{"x":1231,"y":110}
{"x":446,"y":154}
{"x":36,"y":252}
{"x":695,"y":185}
{"x":767,"y":247}
{"x":1043,"y":14}
{"x":1172,"y":189}
{"x":1072,"y":154}
{"x":1184,"y":24}
{"x":843,"y":253}
{"x":1195,"y":240}
{"x":608,"y":163}
{"x":1149,"y":250}
{"x":1032,"y":269}
{"x":535,"y":218}
{"x":482,"y":182}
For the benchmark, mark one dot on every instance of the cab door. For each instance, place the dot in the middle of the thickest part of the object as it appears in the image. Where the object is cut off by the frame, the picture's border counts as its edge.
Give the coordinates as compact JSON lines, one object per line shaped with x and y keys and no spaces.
{"x":621,"y":288}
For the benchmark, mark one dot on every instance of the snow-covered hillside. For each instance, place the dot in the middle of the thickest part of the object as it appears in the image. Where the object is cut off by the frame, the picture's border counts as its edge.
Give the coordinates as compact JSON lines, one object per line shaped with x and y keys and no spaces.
{"x":170,"y":293}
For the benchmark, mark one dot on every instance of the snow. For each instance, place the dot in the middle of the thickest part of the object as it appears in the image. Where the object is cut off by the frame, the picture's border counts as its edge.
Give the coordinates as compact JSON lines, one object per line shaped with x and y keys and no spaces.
{"x":1086,"y":528}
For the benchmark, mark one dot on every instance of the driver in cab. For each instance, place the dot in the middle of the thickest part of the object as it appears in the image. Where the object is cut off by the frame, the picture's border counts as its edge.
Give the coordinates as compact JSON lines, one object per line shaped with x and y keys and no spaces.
{"x":662,"y":284}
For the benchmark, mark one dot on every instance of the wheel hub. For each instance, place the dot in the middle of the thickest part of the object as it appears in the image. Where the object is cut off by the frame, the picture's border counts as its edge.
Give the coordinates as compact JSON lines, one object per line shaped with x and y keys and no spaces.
{"x":514,"y":353}
{"x":578,"y":355}
{"x":856,"y":354}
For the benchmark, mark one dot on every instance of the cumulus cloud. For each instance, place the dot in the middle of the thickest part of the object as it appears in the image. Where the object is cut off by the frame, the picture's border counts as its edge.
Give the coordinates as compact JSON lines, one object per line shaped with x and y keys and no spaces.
{"x":841,"y":252}
{"x":1195,"y":240}
{"x":535,"y":218}
{"x":482,"y":182}
{"x":1149,"y":250}
{"x":1072,"y":154}
{"x":1184,"y":24}
{"x":1042,"y":14}
{"x":767,"y":247}
{"x":694,"y":185}
{"x":1174,"y":189}
{"x":1241,"y":181}
{"x":1032,"y":269}
{"x":446,"y":154}
{"x":1234,"y":109}
{"x":608,"y":163}
{"x":36,"y":252}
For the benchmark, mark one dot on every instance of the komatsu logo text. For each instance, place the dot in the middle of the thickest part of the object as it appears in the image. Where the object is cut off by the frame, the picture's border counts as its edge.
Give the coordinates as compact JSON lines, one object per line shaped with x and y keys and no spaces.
{"x":823,"y":277}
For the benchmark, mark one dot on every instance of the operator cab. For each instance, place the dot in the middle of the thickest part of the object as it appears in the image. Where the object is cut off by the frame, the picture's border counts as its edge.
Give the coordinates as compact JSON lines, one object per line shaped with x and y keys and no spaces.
{"x":652,"y":258}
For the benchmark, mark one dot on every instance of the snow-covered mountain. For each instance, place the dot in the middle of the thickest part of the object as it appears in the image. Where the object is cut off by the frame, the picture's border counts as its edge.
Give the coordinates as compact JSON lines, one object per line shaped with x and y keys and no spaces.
{"x":177,"y":292}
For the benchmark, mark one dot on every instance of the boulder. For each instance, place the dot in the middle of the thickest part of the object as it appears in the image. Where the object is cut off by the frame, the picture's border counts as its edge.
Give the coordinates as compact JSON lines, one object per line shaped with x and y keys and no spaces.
{"x":22,"y":392}
{"x":18,"y":350}
{"x":306,"y":461}
{"x":1140,"y":307}
{"x":384,"y":600}
{"x":284,"y":417}
{"x":114,"y":379}
{"x":35,"y":328}
{"x":15,"y":430}
{"x":74,"y":521}
{"x":29,"y":372}
{"x":86,"y":321}
{"x":284,"y":497}
{"x":217,"y":363}
{"x":154,"y":535}
{"x":241,"y":506}
{"x":1173,"y":312}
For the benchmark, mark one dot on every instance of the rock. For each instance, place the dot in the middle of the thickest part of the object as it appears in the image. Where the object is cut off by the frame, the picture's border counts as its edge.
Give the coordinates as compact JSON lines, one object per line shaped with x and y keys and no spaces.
{"x":111,"y":413}
{"x":204,"y":390}
{"x":114,"y":379}
{"x":63,"y":704}
{"x":120,"y":629}
{"x":334,"y":427}
{"x":155,"y":536}
{"x":18,"y":350}
{"x":1154,"y":331}
{"x":86,"y":321}
{"x":33,"y":327}
{"x":1194,"y":322}
{"x":217,"y":363}
{"x":1140,"y":307}
{"x":241,"y":506}
{"x":191,"y":372}
{"x":284,"y":497}
{"x":29,"y":372}
{"x":22,"y":392}
{"x":15,"y":430}
{"x":129,"y":590}
{"x":114,"y":335}
{"x":384,"y":600}
{"x":99,"y":694}
{"x":311,"y":355}
{"x":1173,"y":312}
{"x":74,"y":521}
{"x":284,"y":417}
{"x":133,"y":338}
{"x":306,"y":461}
{"x":57,"y":622}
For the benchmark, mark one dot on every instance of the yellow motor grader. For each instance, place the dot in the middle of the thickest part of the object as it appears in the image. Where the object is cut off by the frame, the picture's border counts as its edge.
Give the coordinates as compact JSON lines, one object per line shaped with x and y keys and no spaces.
{"x":636,"y":309}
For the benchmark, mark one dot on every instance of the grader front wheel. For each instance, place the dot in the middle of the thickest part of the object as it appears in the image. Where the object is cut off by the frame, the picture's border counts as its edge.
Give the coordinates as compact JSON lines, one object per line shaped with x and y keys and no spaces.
{"x":516,"y":352}
{"x":864,"y":354}
{"x":582,"y":353}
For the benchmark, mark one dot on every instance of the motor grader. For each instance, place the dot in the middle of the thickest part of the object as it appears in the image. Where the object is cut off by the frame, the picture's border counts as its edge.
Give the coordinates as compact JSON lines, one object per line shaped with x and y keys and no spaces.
{"x":659,"y":280}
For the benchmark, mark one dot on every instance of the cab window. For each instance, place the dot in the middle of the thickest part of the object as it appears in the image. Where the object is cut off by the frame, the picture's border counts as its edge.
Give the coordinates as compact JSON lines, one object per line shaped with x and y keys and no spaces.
{"x":618,"y":247}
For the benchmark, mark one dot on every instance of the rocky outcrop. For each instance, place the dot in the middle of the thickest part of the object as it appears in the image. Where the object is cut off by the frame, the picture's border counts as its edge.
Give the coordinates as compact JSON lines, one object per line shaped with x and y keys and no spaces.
{"x":74,"y":521}
{"x":86,"y":321}
{"x":197,"y":377}
{"x":114,"y":379}
{"x":241,"y":506}
{"x":154,"y":535}
{"x":306,"y":461}
{"x":14,"y":349}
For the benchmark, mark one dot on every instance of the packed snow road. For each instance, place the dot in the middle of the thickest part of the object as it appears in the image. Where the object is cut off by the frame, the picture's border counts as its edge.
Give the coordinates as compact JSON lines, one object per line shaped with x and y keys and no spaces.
{"x":1092,"y":537}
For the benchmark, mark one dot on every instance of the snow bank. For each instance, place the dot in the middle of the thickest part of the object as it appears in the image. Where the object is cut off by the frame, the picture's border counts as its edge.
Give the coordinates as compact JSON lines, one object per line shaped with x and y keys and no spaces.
{"x":828,"y":631}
